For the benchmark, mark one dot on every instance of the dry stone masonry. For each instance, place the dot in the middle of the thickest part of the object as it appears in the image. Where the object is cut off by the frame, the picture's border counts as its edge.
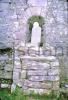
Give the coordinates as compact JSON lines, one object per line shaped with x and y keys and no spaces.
{"x":39,"y":74}
{"x":6,"y":71}
{"x":14,"y":15}
{"x":33,"y":71}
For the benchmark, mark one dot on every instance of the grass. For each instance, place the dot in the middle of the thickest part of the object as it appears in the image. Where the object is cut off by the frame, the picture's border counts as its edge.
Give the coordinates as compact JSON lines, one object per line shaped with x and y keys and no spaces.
{"x":19,"y":95}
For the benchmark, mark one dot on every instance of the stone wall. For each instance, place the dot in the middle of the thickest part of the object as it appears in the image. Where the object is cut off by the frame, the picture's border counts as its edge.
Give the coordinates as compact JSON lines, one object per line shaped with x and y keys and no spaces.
{"x":14,"y":17}
{"x":6,"y":71}
{"x":40,"y":74}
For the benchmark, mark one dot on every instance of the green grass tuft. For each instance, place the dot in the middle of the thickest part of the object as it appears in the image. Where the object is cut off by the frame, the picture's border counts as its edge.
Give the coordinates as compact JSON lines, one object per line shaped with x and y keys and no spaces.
{"x":19,"y":95}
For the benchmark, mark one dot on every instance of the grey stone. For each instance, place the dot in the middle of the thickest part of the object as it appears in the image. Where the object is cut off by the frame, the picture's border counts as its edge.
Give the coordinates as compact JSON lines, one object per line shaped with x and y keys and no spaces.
{"x":13,"y":87}
{"x":17,"y":63}
{"x":23,"y":74}
{"x":5,"y":85}
{"x":53,"y":71}
{"x":36,"y":78}
{"x":17,"y":70}
{"x":39,"y":58}
{"x":4,"y":58}
{"x":39,"y":85}
{"x":66,"y":85}
{"x":15,"y":75}
{"x":38,"y":91}
{"x":53,"y":9}
{"x":37,"y":3}
{"x":54,"y":63}
{"x":8,"y":67}
{"x":53,"y":78}
{"x":37,"y":72}
{"x":8,"y":75}
{"x":56,"y":85}
{"x":17,"y":67}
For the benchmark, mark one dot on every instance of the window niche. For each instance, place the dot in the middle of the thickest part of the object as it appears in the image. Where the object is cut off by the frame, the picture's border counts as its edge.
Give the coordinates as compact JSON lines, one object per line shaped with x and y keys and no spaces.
{"x":31,"y":20}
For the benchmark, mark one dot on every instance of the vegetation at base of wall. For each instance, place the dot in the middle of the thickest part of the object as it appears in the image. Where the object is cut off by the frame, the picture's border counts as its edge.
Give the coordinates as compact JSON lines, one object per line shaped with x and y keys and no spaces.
{"x":6,"y":51}
{"x":19,"y":95}
{"x":6,"y":81}
{"x":63,"y":81}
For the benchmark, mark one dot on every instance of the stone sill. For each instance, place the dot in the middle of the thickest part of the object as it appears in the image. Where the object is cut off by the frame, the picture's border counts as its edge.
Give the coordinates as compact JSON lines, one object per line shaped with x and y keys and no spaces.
{"x":39,"y":58}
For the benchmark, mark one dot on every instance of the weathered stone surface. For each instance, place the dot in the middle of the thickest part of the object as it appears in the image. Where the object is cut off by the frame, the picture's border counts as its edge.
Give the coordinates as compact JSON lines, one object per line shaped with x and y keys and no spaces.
{"x":55,"y":85}
{"x":4,"y":58}
{"x":5,"y":85}
{"x":49,"y":12}
{"x":17,"y":67}
{"x":39,"y":85}
{"x":46,"y":85}
{"x":16,"y":75}
{"x":53,"y":64}
{"x":39,"y":58}
{"x":17,"y":58}
{"x":44,"y":65}
{"x":36,"y":75}
{"x":37,"y":78}
{"x":13,"y":87}
{"x":8,"y":67}
{"x":20,"y":82}
{"x":8,"y":75}
{"x":39,"y":65}
{"x":8,"y":13}
{"x":23,"y":74}
{"x":37,"y":3}
{"x":17,"y":70}
{"x":25,"y":67}
{"x":17,"y":63}
{"x":3,"y":45}
{"x":53,"y":78}
{"x":44,"y":78}
{"x":40,"y":91}
{"x":37,"y":72}
{"x":53,"y":71}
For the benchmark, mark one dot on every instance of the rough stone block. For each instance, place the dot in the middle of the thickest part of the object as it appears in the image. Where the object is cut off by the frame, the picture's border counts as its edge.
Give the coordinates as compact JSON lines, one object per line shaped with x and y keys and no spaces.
{"x":40,"y":91}
{"x":55,"y":85}
{"x":8,"y":67}
{"x":13,"y":87}
{"x":36,"y":78}
{"x":25,"y":67}
{"x":53,"y":64}
{"x":17,"y":63}
{"x":8,"y":75}
{"x":37,"y":72}
{"x":53,"y":78}
{"x":17,"y":70}
{"x":17,"y":67}
{"x":15,"y":75}
{"x":39,"y":85}
{"x":23,"y":74}
{"x":53,"y":71}
{"x":5,"y":85}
